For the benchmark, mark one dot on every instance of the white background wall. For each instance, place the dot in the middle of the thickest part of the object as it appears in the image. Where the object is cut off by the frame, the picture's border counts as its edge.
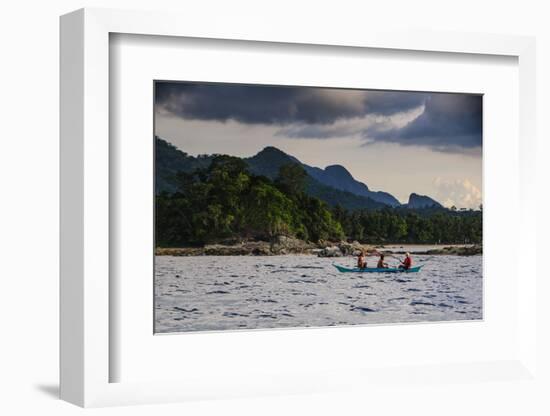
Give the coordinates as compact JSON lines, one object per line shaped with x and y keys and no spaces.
{"x":29,"y":205}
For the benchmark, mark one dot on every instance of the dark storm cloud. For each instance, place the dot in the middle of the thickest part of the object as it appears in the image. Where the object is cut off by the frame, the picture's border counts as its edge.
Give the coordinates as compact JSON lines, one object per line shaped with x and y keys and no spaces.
{"x":449,"y":122}
{"x":278,"y":105}
{"x":387,"y":103}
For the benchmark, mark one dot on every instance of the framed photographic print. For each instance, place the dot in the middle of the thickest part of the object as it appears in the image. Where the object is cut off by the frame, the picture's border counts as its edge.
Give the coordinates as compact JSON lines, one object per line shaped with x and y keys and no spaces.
{"x":261,"y":220}
{"x":245,"y":215}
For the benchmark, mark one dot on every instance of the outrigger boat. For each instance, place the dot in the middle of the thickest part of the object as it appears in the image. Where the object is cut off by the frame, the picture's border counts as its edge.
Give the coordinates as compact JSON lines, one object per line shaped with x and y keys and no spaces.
{"x":344,"y":269}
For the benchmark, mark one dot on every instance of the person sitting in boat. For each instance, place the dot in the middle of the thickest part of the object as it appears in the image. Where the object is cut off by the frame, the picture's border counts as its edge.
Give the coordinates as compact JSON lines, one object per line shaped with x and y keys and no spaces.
{"x":407,"y":263}
{"x":381,"y":264}
{"x":361,"y":262}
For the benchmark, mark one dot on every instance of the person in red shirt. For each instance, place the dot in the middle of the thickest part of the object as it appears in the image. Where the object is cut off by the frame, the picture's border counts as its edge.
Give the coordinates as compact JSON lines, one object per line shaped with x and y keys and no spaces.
{"x":407,"y":263}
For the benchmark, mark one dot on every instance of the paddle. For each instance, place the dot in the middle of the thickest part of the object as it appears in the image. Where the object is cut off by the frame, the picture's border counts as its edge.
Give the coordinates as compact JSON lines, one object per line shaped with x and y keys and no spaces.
{"x":389,"y":255}
{"x":397,"y":258}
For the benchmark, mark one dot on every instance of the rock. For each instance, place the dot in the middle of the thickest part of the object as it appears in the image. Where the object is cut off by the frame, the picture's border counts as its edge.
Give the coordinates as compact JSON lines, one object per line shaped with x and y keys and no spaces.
{"x":184,"y":251}
{"x":261,"y":251}
{"x":223,"y":250}
{"x":254,"y":248}
{"x":346,"y":249}
{"x":353,"y":249}
{"x":283,"y":244}
{"x":472,"y":250}
{"x":332,"y":251}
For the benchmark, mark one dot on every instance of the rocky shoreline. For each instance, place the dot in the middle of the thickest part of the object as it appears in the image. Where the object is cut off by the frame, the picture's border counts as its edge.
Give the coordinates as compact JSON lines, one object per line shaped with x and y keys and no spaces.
{"x":283,"y":245}
{"x":472,"y":250}
{"x":451,"y":250}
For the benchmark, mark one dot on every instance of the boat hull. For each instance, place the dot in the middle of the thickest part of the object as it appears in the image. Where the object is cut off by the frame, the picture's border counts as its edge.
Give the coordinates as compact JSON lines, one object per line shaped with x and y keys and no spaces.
{"x":343,"y":269}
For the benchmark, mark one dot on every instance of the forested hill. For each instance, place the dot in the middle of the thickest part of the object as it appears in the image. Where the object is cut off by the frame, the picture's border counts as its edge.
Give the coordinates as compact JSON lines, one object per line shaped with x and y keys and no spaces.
{"x":218,"y":199}
{"x":333,"y":185}
{"x":170,"y":160}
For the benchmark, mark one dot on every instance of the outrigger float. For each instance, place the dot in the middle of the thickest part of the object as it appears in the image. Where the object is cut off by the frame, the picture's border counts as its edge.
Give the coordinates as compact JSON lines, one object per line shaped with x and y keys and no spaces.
{"x":344,"y":269}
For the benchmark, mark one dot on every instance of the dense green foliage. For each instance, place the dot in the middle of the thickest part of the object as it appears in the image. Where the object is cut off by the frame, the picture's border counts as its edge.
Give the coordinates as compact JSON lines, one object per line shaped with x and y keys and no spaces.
{"x":401,"y":225}
{"x":169,"y":160}
{"x":225,"y":202}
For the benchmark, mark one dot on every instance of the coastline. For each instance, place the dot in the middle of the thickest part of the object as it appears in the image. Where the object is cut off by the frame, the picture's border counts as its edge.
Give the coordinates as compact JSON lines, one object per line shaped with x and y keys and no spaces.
{"x":291,"y":246}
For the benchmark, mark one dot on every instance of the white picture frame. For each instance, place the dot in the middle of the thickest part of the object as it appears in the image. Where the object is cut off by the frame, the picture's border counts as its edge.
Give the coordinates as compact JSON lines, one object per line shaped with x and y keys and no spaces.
{"x":86,"y":356}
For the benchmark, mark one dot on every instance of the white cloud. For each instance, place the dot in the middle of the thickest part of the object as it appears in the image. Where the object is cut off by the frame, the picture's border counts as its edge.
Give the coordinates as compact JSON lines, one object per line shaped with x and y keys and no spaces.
{"x":458,"y":192}
{"x":352,"y":127}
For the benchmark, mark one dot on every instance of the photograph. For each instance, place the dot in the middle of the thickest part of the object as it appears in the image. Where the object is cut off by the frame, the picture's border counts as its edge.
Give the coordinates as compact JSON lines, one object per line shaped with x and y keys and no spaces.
{"x":281,"y":206}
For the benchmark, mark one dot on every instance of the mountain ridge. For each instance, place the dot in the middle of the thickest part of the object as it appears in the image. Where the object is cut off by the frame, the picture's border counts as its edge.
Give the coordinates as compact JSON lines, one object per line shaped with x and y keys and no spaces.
{"x":417,"y":201}
{"x":268,"y":161}
{"x":334,"y":184}
{"x":339,"y":177}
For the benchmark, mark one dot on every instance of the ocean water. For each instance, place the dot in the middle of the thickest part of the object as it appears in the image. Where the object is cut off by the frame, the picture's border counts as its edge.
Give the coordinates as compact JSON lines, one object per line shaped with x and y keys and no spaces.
{"x":210,"y":293}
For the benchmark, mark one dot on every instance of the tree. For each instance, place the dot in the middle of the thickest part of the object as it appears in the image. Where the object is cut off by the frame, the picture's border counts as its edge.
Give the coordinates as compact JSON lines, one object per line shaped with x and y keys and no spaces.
{"x":222,"y":199}
{"x":268,"y":211}
{"x":292,"y":178}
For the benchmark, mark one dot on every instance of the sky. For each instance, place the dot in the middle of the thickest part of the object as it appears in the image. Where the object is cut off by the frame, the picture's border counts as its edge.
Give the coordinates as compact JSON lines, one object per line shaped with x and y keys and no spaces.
{"x":395,"y":141}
